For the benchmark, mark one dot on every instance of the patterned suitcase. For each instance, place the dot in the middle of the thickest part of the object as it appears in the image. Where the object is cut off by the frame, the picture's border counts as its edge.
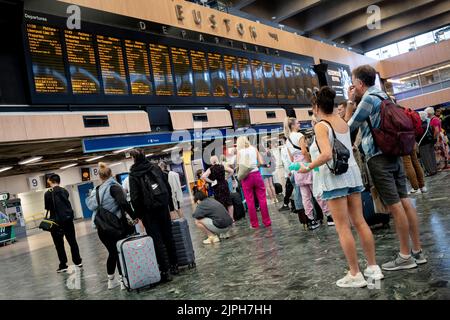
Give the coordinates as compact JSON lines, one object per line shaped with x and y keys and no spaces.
{"x":183,"y":243}
{"x":138,"y":262}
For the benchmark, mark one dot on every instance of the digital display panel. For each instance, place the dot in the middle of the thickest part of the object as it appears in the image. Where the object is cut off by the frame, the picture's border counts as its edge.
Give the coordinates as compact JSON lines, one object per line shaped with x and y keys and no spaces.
{"x":241,"y":117}
{"x":112,"y":65}
{"x":307,"y":82}
{"x":218,"y":79}
{"x":138,"y":68}
{"x":201,"y":75}
{"x":258,"y":79}
{"x":298,"y":81}
{"x":182,"y":70}
{"x":47,"y":59}
{"x":289,"y":75}
{"x":245,"y":73}
{"x":281,"y":81}
{"x":315,"y":86}
{"x":339,"y":78}
{"x":269,"y":80}
{"x":232,"y":72}
{"x":162,"y":73}
{"x":82,"y":63}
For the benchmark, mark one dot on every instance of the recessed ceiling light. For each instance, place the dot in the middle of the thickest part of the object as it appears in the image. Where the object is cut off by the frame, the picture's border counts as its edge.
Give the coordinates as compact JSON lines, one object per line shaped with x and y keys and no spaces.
{"x":122,"y":150}
{"x":30,"y":160}
{"x":5,"y":169}
{"x":69,"y":150}
{"x":69,"y":166}
{"x":95,"y":158}
{"x":342,"y":41}
{"x":170,"y":149}
{"x":149,"y":155}
{"x":273,"y":18}
{"x":115,"y":164}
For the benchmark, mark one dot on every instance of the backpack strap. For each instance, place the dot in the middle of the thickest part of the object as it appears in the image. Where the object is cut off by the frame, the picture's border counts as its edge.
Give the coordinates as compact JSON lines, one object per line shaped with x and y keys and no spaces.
{"x":295,"y":147}
{"x":334,"y":136}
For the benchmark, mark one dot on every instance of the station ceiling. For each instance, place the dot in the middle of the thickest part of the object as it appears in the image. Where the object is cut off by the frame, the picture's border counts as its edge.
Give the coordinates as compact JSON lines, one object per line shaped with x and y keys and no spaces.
{"x":344,"y":22}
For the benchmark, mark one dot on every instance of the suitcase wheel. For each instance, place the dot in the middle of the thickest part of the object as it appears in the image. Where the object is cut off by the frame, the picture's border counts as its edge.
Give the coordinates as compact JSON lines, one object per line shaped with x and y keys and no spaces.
{"x":192,"y":265}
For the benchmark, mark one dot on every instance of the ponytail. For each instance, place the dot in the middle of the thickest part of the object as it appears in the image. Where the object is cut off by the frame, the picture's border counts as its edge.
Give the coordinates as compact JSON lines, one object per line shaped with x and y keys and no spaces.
{"x":288,"y":122}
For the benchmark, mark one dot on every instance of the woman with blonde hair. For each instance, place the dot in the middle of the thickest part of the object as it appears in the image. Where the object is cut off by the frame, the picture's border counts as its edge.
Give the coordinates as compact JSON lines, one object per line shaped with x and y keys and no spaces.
{"x":249,"y":157}
{"x":111,"y":197}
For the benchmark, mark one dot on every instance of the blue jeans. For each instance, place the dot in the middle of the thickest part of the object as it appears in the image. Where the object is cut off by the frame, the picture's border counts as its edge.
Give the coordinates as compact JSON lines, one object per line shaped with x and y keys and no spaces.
{"x":297,"y":195}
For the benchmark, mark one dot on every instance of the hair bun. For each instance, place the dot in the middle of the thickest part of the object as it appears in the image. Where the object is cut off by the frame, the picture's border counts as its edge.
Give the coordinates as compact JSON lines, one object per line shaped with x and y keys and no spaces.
{"x":102,"y":165}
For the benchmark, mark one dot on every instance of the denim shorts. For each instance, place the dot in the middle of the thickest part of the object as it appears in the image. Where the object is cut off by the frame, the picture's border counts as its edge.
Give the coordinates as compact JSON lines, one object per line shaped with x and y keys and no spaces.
{"x":342,"y":192}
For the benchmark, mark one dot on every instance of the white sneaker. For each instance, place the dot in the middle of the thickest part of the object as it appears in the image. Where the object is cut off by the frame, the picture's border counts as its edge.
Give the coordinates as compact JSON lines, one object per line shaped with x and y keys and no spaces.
{"x":112,"y":282}
{"x":211,"y":240}
{"x":350,"y":281}
{"x":374,"y":272}
{"x":122,"y":283}
{"x":424,"y":190}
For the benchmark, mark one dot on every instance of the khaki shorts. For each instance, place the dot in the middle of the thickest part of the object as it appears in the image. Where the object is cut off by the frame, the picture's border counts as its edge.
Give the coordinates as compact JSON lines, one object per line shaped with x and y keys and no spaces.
{"x":208,"y":223}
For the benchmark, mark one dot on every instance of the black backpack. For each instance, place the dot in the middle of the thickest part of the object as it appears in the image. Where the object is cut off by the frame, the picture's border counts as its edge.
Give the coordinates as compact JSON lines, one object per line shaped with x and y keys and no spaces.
{"x":155,"y":190}
{"x":106,"y":221}
{"x":428,"y":136}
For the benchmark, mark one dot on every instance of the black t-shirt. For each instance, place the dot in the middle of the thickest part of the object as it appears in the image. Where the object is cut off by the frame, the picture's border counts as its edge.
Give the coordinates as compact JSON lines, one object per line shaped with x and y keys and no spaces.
{"x":211,"y":208}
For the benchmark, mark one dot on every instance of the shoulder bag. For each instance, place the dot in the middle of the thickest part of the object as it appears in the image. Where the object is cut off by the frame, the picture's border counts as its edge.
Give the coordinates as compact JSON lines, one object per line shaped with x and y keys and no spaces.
{"x":48,"y":224}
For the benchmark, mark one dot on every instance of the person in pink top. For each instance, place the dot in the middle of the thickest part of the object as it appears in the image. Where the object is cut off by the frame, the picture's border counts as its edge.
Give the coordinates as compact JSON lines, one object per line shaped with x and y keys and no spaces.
{"x":440,"y":146}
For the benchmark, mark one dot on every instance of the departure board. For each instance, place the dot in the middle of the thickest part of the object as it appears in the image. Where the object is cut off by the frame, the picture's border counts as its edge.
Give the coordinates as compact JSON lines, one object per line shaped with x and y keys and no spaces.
{"x":258,"y":79}
{"x":289,"y":75}
{"x":47,"y":59}
{"x":280,"y":80}
{"x":241,"y":117}
{"x":82,"y":63}
{"x":245,"y":74}
{"x":307,"y":82}
{"x":218,"y":80}
{"x":232,"y":72}
{"x":298,"y":80}
{"x":162,"y":73}
{"x":269,"y":81}
{"x":138,"y":68}
{"x":201,"y":75}
{"x":182,"y":71}
{"x":112,"y":65}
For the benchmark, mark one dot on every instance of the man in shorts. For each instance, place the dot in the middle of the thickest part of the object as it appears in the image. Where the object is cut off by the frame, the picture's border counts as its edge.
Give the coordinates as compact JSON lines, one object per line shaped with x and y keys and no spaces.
{"x":212,"y":218}
{"x":387,"y":172}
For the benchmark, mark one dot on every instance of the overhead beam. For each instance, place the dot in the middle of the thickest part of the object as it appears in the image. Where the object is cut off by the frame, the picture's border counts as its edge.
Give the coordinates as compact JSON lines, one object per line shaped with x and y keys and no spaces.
{"x":289,"y":8}
{"x":325,"y":13}
{"x":239,"y":4}
{"x":358,"y":21}
{"x":397,"y":22}
{"x":423,"y":26}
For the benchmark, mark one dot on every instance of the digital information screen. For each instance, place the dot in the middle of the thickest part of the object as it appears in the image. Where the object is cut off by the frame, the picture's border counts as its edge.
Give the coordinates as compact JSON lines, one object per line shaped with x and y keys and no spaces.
{"x":298,"y":80}
{"x":308,"y":82}
{"x":314,"y":79}
{"x":47,"y":59}
{"x":281,"y":81}
{"x":241,"y":117}
{"x":182,"y":71}
{"x":231,"y":69}
{"x":289,"y":74}
{"x":218,"y":79}
{"x":258,"y":79}
{"x":112,"y":65}
{"x":245,"y":73}
{"x":138,"y":68}
{"x":269,"y":80}
{"x":162,"y":73}
{"x":82,"y":63}
{"x":201,"y":75}
{"x":339,"y":78}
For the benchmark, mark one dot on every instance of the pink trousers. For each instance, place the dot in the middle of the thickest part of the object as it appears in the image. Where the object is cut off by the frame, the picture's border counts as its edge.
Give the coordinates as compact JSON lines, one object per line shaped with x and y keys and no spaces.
{"x":306,"y":190}
{"x":254,"y":183}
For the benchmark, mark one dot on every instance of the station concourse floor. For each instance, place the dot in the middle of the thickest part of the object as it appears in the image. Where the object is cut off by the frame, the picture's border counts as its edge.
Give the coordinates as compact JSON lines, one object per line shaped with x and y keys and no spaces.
{"x":282,"y":262}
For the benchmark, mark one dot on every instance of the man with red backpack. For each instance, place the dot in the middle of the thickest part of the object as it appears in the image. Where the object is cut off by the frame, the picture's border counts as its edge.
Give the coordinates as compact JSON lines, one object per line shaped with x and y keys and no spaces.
{"x":387,"y":134}
{"x":413,"y":169}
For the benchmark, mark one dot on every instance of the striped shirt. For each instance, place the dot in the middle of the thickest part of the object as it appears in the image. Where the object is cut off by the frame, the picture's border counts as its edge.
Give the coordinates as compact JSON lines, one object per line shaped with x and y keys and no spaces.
{"x":368,"y":107}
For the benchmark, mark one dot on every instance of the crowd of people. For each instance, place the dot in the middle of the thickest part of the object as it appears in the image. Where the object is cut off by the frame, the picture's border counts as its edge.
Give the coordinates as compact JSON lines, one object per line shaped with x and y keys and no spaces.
{"x":325,"y":175}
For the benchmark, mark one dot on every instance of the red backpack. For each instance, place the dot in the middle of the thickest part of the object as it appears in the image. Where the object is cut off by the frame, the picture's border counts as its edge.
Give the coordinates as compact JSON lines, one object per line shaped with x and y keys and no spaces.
{"x":396,"y":134}
{"x":417,"y":122}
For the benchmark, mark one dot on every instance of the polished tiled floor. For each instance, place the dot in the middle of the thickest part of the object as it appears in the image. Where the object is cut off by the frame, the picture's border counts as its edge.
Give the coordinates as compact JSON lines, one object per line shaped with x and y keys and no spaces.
{"x":283,"y":262}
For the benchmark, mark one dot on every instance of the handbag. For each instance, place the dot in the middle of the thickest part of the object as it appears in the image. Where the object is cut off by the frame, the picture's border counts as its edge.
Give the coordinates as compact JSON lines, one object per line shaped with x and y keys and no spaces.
{"x":108,"y":222}
{"x":341,"y":154}
{"x":48,"y":224}
{"x":243,"y":171}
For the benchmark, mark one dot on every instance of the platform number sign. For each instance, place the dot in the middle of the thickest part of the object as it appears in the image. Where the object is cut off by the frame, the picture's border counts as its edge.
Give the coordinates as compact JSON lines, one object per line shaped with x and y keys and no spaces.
{"x":35,"y":183}
{"x":94,"y":173}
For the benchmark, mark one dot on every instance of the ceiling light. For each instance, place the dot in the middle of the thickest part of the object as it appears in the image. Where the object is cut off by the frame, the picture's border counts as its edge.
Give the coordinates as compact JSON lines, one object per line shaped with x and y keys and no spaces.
{"x":30,"y":160}
{"x":170,"y":149}
{"x":69,"y":166}
{"x":5,"y":169}
{"x":273,"y":18}
{"x":149,"y":155}
{"x":69,"y":150}
{"x":122,"y":150}
{"x":95,"y":158}
{"x":115,"y":164}
{"x":51,"y":161}
{"x":342,"y":41}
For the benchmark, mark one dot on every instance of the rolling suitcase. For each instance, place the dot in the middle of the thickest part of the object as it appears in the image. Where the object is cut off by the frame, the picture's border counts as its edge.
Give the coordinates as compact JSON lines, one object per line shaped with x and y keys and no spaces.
{"x":183,"y":243}
{"x":372,"y":218}
{"x":238,"y":206}
{"x":138,"y":262}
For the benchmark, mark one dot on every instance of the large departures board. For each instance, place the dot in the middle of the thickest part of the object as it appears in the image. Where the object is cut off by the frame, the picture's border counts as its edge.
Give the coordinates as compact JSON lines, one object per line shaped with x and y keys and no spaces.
{"x":102,"y":64}
{"x":47,"y":59}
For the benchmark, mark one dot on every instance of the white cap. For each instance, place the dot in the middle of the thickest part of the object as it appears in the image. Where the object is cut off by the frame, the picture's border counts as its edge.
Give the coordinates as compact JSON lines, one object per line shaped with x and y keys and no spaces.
{"x":429,"y":110}
{"x":423,"y":115}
